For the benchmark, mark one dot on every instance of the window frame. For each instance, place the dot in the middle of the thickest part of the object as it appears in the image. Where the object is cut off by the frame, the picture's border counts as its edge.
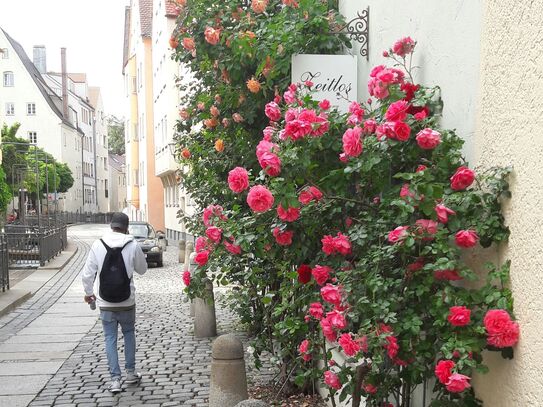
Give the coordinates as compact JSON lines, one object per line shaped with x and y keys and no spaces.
{"x":8,"y":74}
{"x":28,"y":110}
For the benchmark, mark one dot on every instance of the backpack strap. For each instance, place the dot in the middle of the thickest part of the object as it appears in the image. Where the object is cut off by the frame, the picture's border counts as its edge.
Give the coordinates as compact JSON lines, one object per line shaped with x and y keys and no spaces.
{"x":126,"y":244}
{"x":105,"y":245}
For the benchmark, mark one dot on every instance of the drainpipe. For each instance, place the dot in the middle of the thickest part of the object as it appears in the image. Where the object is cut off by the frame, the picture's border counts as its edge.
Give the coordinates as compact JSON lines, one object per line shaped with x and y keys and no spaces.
{"x":95,"y":163}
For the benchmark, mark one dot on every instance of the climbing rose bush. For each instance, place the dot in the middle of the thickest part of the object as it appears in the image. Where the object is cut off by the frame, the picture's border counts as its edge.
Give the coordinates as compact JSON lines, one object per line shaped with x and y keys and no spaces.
{"x":353,"y":230}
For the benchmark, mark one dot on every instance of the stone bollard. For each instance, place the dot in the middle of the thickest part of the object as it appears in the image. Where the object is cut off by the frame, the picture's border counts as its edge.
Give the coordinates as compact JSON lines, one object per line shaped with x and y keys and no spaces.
{"x":205,"y":324}
{"x":252,"y":403}
{"x":228,"y":379}
{"x":182,"y":246}
{"x":189,"y":252}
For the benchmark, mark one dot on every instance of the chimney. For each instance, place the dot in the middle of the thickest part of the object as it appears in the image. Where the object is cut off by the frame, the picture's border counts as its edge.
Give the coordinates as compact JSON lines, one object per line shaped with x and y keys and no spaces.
{"x":39,"y":58}
{"x":64,"y":84}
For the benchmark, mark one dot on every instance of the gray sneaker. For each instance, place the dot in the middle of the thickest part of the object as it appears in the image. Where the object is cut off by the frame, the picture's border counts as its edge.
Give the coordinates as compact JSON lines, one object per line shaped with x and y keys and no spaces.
{"x":132,"y":377}
{"x":115,"y":386}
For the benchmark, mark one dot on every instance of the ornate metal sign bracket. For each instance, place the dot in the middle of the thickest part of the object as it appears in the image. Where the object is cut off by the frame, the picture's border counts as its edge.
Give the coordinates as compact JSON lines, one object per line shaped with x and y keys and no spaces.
{"x":358,"y":29}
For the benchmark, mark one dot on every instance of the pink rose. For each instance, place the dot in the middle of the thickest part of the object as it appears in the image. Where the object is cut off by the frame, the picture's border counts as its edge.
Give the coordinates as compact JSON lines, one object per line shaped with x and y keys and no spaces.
{"x":231,"y":247}
{"x":289,"y":215}
{"x":398,"y":234}
{"x":443,"y":213}
{"x":265,"y":146}
{"x":297,"y":129}
{"x":427,"y":228}
{"x":370,"y":126}
{"x":238,"y":180}
{"x":462,"y":178}
{"x":273,"y":111}
{"x":392,"y":346}
{"x":268,"y":132}
{"x":501,"y":330}
{"x":316,"y":310}
{"x":457,"y":383}
{"x":260,"y":199}
{"x":211,"y":212}
{"x":315,"y":193}
{"x":403,"y":46}
{"x":342,"y":244}
{"x":466,"y":238}
{"x":397,"y":111}
{"x":270,"y":163}
{"x":421,"y":168}
{"x":405,"y":192}
{"x":212,"y":35}
{"x":327,"y":330}
{"x":328,"y":245}
{"x":186,"y":278}
{"x":443,"y":370}
{"x":350,"y":347}
{"x":428,"y":139}
{"x":336,"y":319}
{"x":331,"y":294}
{"x":459,"y":316}
{"x":352,"y":143}
{"x":291,"y":114}
{"x":402,"y":131}
{"x":201,"y":244}
{"x":202,"y":258}
{"x":320,"y":126}
{"x":357,"y":113}
{"x":324,"y":104}
{"x":321,"y":274}
{"x":283,"y":238}
{"x":332,"y":380}
{"x":421,"y":115}
{"x":290,"y":97}
{"x":305,"y":197}
{"x":214,"y":233}
{"x":369,"y":388}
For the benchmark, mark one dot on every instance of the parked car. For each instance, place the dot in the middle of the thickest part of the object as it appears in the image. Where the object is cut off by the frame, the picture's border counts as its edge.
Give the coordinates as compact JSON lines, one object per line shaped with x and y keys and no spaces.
{"x":152,"y":243}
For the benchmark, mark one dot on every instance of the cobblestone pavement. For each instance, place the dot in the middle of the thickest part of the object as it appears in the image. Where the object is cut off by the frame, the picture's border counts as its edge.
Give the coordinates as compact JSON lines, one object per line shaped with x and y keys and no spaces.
{"x":174,"y":364}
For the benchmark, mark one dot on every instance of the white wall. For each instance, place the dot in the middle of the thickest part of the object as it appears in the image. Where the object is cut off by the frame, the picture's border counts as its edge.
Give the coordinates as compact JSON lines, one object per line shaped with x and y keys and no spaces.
{"x":448,"y":50}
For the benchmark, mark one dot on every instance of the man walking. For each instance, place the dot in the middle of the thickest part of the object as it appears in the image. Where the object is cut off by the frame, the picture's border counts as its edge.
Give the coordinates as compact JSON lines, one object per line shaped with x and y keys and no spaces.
{"x":108,"y":280}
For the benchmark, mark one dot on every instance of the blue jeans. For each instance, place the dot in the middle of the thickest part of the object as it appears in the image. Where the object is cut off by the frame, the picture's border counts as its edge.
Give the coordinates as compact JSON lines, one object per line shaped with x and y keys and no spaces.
{"x":110,"y":322}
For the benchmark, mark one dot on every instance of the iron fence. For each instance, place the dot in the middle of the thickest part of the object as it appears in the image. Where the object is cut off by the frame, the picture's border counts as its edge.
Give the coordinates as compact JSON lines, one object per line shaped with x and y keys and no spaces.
{"x":4,"y":262}
{"x":30,"y":245}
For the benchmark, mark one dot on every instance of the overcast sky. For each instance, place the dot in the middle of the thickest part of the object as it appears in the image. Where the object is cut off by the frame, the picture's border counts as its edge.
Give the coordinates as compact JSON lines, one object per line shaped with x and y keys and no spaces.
{"x":92,"y":32}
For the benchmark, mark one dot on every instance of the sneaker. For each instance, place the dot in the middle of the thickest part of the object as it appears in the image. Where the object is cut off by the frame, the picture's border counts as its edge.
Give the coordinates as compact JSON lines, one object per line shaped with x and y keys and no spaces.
{"x":132,"y":377}
{"x":115,"y":386}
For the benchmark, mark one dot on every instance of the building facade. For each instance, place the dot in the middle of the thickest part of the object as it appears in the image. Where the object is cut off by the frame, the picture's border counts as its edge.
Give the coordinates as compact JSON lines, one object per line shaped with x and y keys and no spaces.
{"x":145,"y":192}
{"x":27,"y":98}
{"x":117,"y":179}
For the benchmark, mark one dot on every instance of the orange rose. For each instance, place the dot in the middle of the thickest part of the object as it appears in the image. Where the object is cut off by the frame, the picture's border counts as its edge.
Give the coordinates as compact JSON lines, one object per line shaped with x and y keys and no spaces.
{"x":237,"y":117}
{"x":210,"y":123}
{"x":212,"y":35}
{"x":174,"y":43}
{"x":184,"y":114}
{"x":188,"y":43}
{"x":185,"y":153}
{"x":259,"y":6}
{"x":219,"y":145}
{"x":253,"y":85}
{"x":214,"y":111}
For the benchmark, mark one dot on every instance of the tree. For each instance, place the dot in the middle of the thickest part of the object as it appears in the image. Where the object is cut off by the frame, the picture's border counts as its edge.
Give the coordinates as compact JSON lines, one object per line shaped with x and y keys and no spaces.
{"x":13,"y":156}
{"x":115,"y":131}
{"x":65,"y":175}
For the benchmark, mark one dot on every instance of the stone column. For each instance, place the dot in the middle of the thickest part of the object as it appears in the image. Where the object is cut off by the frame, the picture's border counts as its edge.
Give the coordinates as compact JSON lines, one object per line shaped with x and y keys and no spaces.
{"x":228,"y":378}
{"x":205,"y":324}
{"x":182,"y":246}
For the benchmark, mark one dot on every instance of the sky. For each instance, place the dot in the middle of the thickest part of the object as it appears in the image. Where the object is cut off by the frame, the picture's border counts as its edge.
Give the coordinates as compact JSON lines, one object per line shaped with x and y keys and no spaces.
{"x":92,"y":32}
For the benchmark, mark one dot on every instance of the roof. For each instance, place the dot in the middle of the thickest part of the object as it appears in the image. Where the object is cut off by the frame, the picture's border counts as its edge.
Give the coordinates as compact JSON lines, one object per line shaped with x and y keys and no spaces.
{"x":172,"y":9}
{"x":146,"y":17}
{"x":94,"y":94}
{"x":126,"y":43}
{"x":78,"y":77}
{"x":52,"y":99}
{"x":116,"y":161}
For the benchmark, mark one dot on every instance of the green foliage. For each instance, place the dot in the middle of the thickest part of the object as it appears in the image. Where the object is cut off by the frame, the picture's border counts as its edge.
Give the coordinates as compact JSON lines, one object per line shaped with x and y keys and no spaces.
{"x":388,"y":290}
{"x":115,"y":134}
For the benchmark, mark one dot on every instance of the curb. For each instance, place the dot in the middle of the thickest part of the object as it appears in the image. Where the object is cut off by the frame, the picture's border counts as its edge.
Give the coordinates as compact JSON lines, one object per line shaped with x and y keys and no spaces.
{"x":19,"y":294}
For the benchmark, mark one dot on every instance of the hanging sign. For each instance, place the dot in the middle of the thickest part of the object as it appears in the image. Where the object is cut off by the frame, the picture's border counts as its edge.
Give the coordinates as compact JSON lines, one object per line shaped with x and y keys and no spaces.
{"x":333,"y":77}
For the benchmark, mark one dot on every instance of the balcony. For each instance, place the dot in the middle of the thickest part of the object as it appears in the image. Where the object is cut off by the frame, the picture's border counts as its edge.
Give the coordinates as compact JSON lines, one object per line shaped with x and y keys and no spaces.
{"x":164,"y":162}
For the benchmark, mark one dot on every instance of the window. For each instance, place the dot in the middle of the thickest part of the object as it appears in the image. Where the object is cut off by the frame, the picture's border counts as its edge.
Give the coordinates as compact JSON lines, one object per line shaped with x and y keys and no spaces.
{"x":106,"y":188}
{"x":32,"y":137}
{"x":5,"y":53}
{"x":31,"y":109}
{"x":134,"y":86}
{"x":10,"y":109}
{"x":9,"y":80}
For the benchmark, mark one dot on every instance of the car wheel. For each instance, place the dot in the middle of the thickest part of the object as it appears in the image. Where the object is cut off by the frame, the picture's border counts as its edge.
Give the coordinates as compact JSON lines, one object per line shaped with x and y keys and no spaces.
{"x":160,"y":263}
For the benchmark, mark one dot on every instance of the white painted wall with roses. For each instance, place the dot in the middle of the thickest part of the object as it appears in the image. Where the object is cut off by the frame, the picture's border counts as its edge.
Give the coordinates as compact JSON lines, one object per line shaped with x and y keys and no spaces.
{"x":449,"y":37}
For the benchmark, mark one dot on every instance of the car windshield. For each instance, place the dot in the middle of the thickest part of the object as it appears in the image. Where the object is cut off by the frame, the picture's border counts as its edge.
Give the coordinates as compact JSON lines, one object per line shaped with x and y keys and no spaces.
{"x":139,"y":230}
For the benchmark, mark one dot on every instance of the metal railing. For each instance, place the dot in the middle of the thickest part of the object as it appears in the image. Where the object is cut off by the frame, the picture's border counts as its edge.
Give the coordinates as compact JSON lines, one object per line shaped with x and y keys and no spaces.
{"x":28,"y":245}
{"x":4,"y":262}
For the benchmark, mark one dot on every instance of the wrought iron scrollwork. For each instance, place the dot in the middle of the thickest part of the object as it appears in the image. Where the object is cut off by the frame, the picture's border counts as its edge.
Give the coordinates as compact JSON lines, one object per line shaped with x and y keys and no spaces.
{"x":358,"y":29}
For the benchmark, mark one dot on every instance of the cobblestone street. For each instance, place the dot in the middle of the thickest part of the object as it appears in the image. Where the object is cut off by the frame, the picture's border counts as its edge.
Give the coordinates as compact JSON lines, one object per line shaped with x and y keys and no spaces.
{"x":175,"y":365}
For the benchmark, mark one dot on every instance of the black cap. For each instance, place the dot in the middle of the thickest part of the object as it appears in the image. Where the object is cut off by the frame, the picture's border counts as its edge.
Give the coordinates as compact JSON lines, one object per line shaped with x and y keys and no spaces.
{"x":119,"y":220}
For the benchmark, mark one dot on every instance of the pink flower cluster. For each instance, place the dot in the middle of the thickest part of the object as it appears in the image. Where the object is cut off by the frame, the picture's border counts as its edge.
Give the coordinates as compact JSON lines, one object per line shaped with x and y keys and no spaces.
{"x":300,"y":123}
{"x":381,"y":78}
{"x":502,"y":331}
{"x":338,"y":244}
{"x":310,"y":194}
{"x":454,"y":382}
